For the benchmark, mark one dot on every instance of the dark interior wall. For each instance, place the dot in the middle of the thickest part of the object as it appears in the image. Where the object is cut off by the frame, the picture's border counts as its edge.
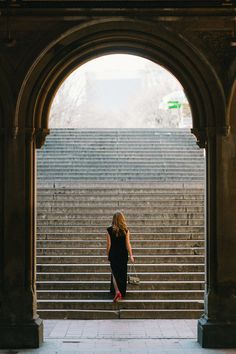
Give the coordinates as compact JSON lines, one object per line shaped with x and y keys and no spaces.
{"x":40,"y":43}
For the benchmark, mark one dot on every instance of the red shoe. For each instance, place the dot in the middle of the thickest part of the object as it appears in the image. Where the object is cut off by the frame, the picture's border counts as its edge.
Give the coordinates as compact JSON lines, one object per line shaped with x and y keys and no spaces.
{"x":117,"y":297}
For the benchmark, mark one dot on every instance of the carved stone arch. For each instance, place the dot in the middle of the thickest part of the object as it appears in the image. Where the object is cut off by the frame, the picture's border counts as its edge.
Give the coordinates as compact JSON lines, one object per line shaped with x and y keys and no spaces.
{"x":231,"y":108}
{"x":97,"y":38}
{"x":231,"y":97}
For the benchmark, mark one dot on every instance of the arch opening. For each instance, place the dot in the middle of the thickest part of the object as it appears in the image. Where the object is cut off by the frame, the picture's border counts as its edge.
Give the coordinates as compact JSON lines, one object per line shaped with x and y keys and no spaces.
{"x":136,"y":168}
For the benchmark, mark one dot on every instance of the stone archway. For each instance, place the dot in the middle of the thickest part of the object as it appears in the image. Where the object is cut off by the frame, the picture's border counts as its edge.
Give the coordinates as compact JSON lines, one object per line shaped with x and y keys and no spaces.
{"x":156,"y":43}
{"x":60,"y":58}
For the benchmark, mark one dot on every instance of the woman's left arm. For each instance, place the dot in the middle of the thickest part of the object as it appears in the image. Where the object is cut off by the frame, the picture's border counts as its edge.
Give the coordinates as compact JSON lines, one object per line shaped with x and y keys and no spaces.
{"x":108,"y":244}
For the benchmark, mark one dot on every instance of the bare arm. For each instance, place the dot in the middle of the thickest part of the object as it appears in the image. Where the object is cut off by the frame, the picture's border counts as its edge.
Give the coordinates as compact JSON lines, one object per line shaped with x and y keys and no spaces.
{"x":108,"y":244}
{"x":128,"y":246}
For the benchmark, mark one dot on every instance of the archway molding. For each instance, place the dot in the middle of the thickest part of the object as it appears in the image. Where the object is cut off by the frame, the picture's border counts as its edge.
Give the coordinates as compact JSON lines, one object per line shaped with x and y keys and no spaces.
{"x":232,"y":102}
{"x":93,"y":39}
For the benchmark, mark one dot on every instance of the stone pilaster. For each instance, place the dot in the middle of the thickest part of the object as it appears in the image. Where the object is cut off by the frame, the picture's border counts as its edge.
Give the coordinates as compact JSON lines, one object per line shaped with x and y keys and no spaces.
{"x":217,"y":328}
{"x":20,"y":326}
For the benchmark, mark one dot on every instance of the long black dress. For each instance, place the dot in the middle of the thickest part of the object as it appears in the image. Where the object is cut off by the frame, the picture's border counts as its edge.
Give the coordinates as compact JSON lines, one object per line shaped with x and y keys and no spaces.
{"x":118,"y":257}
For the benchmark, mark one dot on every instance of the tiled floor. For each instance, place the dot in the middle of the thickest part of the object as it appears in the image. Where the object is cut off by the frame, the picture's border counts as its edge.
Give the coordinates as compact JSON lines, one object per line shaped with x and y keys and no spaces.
{"x":121,"y":336}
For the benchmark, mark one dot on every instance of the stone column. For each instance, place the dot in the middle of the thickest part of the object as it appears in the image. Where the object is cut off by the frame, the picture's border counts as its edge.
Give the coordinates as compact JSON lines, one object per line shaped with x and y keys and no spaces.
{"x":20,"y":326}
{"x":217,"y":328}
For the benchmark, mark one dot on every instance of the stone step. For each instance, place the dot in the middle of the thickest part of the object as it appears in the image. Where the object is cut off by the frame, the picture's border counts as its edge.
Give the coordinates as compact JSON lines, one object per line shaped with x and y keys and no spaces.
{"x":130,"y":208}
{"x":162,"y":176}
{"x":122,"y":131}
{"x":98,"y":138}
{"x":47,"y":250}
{"x":64,"y":259}
{"x":121,"y":136}
{"x":120,"y":148}
{"x":107,"y":146}
{"x":99,"y":203}
{"x":125,"y":189}
{"x":171,"y":276}
{"x":92,"y":142}
{"x":101,"y":223}
{"x":168,"y":159}
{"x":146,"y":219}
{"x":129,"y":170}
{"x":113,"y":170}
{"x":121,"y":152}
{"x":135,"y":161}
{"x":160,"y":239}
{"x":120,"y":144}
{"x":104,"y":285}
{"x":103,"y":211}
{"x":112,"y":197}
{"x":132,"y":136}
{"x":81,"y":179}
{"x":88,"y":268}
{"x":118,"y":198}
{"x":130,"y":157}
{"x":131,"y":294}
{"x":139,"y":246}
{"x":124,"y":304}
{"x":100,"y":143}
{"x":101,"y":139}
{"x":133,"y":229}
{"x":126,"y":160}
{"x":120,"y":314}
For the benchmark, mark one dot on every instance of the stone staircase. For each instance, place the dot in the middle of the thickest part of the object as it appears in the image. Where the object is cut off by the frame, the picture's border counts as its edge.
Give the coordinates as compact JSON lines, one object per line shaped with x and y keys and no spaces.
{"x":129,"y":155}
{"x":166,"y":222}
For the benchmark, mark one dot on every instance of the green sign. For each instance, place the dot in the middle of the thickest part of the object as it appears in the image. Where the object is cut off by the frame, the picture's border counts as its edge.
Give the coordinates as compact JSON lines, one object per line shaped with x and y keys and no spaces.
{"x":174,"y":104}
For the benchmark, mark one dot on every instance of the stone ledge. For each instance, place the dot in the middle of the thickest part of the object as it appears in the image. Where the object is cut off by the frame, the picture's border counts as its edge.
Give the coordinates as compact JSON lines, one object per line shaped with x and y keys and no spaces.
{"x":216,"y":334}
{"x":21,"y":335}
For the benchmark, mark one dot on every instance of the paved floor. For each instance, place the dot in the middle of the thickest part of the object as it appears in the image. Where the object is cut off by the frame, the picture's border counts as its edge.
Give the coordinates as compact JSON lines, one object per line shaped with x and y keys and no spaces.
{"x":120,"y":336}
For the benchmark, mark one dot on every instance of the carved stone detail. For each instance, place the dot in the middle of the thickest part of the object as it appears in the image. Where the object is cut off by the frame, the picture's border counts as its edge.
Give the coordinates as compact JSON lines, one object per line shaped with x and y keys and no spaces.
{"x":40,"y":136}
{"x":203,"y":135}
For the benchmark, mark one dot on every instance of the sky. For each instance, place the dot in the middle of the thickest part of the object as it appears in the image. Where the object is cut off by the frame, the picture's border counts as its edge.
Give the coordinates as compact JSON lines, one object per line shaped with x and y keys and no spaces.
{"x":119,"y":66}
{"x":117,"y":90}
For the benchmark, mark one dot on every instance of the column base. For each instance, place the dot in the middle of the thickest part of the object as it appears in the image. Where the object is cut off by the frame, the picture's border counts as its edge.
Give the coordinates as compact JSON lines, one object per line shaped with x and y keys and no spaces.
{"x":21,"y":335}
{"x":216,"y":334}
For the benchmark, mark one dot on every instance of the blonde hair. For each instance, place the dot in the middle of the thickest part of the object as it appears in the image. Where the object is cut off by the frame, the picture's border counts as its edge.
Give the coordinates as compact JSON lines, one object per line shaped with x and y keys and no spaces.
{"x":119,"y":223}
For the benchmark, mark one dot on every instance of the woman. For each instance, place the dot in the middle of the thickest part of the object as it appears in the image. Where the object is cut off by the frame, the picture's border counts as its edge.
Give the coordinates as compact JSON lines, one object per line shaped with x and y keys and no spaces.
{"x":118,"y":247}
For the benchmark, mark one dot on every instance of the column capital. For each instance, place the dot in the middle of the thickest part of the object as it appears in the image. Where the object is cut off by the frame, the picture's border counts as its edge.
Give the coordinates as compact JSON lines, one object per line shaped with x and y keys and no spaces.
{"x":40,"y":136}
{"x":30,"y":133}
{"x":203,"y":134}
{"x":10,"y":132}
